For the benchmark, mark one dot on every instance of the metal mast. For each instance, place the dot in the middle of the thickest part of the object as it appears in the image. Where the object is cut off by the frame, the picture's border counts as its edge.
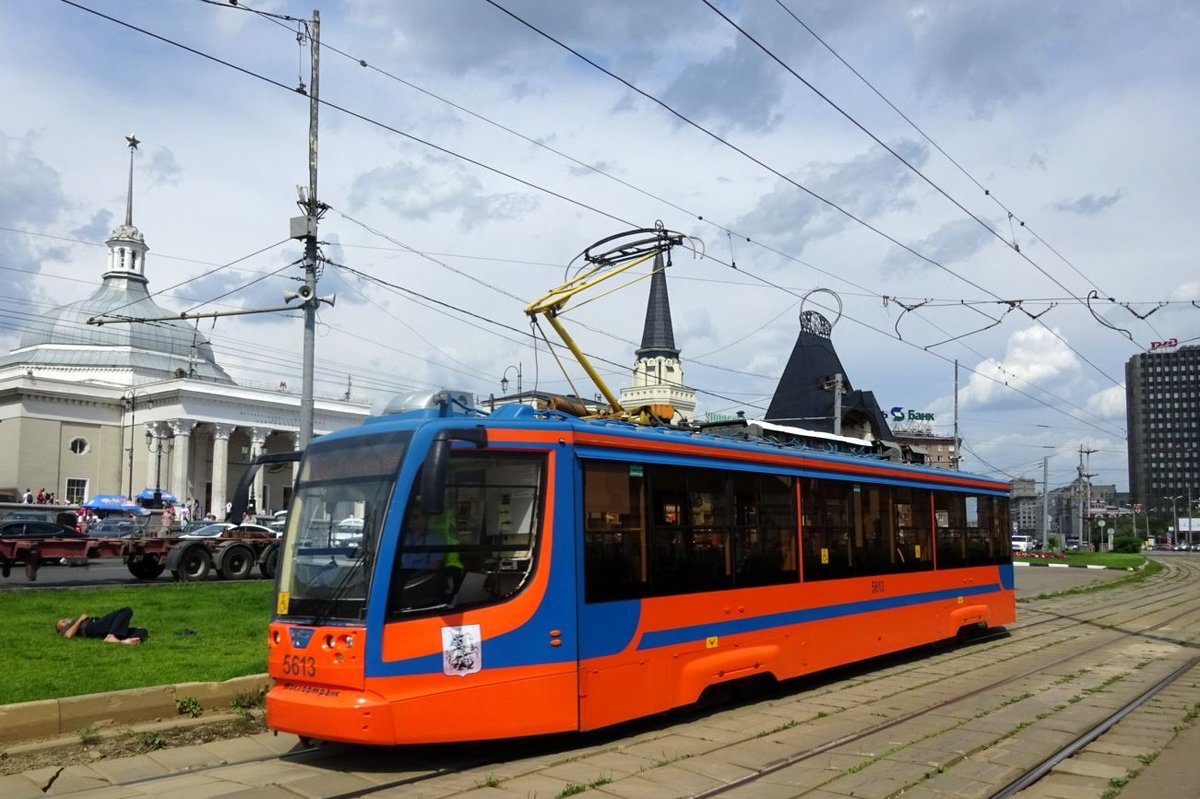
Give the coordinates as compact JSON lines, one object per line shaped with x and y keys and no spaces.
{"x":305,"y":227}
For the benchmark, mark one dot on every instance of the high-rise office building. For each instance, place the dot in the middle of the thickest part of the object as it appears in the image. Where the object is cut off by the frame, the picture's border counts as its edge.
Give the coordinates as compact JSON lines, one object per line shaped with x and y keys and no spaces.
{"x":1162,"y":402}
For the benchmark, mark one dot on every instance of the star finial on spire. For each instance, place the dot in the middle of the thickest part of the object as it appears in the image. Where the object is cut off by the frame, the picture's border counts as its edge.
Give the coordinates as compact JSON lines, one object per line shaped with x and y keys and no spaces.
{"x":133,"y":143}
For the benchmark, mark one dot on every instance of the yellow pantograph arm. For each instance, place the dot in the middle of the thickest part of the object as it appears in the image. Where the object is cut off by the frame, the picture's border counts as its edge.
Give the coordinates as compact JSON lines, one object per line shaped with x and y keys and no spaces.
{"x":550,"y":304}
{"x":553,"y":301}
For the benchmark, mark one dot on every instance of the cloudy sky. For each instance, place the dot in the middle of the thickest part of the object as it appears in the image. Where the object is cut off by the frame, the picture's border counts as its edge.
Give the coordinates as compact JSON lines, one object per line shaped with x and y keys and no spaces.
{"x":962,"y":174}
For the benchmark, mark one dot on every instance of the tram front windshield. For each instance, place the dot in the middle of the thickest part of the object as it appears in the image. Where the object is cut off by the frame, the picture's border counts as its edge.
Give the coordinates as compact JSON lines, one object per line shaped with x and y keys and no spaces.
{"x":334,"y":525}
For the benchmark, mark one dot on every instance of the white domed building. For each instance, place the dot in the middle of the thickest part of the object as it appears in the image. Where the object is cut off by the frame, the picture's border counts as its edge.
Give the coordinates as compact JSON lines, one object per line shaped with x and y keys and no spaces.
{"x":90,"y":409}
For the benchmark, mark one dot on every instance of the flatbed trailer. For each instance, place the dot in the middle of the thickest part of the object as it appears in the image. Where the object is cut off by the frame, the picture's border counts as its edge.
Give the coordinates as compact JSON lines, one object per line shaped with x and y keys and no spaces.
{"x":232,"y":555}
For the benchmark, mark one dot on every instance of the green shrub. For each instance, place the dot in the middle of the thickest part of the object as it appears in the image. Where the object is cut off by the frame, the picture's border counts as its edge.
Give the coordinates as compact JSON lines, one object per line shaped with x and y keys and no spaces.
{"x":1127,"y":543}
{"x":188,"y":706}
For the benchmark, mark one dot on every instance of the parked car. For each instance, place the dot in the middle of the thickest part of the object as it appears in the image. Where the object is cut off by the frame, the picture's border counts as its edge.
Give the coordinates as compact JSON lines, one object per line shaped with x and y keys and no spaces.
{"x":220,"y":528}
{"x":28,"y":515}
{"x":1023,"y":543}
{"x":114,"y":528}
{"x":28,"y":528}
{"x":1073,"y":543}
{"x":278,"y":522}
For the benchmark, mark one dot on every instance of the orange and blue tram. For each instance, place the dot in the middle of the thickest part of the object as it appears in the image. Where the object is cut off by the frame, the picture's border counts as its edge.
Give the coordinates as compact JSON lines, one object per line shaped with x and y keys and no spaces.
{"x":453,"y":575}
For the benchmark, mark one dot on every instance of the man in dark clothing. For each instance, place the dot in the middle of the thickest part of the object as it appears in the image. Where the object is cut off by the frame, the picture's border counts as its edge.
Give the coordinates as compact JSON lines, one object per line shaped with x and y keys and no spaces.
{"x":112,"y":628}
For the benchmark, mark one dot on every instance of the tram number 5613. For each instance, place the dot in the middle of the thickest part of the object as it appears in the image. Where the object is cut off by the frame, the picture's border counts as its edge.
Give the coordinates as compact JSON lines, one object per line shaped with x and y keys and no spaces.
{"x":877,"y":586}
{"x":299,"y":666}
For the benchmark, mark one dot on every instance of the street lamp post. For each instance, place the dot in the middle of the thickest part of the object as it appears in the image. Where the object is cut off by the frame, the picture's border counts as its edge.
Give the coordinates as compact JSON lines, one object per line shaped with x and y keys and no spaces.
{"x":504,"y":378}
{"x":129,"y":401}
{"x":1175,"y":521}
{"x":155,"y":445}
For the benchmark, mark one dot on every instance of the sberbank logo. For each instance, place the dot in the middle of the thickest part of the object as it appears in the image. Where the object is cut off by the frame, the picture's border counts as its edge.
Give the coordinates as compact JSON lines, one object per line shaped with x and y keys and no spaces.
{"x":901,"y":415}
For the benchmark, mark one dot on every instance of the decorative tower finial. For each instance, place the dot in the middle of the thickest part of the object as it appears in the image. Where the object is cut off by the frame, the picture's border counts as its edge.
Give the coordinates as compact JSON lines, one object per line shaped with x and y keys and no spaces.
{"x":126,"y":246}
{"x":133,"y":143}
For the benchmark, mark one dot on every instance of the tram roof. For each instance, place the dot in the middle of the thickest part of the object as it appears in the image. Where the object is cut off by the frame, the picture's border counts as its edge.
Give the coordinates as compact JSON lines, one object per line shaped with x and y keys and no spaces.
{"x":457,"y":414}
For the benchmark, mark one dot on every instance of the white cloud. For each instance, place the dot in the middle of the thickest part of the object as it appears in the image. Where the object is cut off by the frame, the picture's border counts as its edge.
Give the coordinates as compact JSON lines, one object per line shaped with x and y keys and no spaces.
{"x":1108,"y":404}
{"x":1034,"y":358}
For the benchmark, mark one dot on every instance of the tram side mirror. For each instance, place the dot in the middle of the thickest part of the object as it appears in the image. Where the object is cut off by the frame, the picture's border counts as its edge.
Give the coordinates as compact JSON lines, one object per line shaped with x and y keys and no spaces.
{"x":241,"y":494}
{"x":433,"y":471}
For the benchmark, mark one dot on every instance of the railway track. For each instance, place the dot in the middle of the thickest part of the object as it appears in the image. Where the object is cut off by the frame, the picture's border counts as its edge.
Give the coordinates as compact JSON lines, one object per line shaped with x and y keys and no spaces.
{"x":992,"y":717}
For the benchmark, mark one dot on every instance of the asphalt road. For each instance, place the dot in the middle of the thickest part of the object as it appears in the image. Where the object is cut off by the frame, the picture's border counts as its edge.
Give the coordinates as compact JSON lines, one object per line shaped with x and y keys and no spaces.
{"x":98,"y":572}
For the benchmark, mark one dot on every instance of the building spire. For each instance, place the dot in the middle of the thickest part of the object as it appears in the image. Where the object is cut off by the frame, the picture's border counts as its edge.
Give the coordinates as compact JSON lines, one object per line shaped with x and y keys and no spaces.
{"x":658,"y":336}
{"x":126,"y":246}
{"x":133,"y":143}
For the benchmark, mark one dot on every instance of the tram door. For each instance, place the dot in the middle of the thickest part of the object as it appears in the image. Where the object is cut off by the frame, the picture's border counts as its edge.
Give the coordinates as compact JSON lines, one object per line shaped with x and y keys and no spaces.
{"x":614,"y":679}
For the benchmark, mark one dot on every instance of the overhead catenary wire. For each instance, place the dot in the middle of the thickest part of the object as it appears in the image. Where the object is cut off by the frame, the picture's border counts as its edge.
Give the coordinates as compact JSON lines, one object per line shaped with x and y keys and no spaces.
{"x":676,"y":113}
{"x":782,"y":176}
{"x":417,"y":139}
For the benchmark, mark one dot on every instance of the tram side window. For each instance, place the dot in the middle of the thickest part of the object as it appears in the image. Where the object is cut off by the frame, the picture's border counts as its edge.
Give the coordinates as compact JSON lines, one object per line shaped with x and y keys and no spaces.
{"x":690,"y":547}
{"x":978,"y":544}
{"x":481,"y":547}
{"x":993,"y":527}
{"x":828,"y":524}
{"x":614,"y":532}
{"x":912,"y":550}
{"x":657,"y":530}
{"x":764,"y":529}
{"x":873,"y":534}
{"x":950,"y":514}
{"x":967,"y":530}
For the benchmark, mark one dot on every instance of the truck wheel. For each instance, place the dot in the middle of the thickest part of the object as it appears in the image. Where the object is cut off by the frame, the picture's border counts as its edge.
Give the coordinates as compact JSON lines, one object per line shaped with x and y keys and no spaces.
{"x":31,"y":567}
{"x":5,"y":566}
{"x":194,"y":564}
{"x":145,"y":567}
{"x":270,"y":563}
{"x":236,"y":563}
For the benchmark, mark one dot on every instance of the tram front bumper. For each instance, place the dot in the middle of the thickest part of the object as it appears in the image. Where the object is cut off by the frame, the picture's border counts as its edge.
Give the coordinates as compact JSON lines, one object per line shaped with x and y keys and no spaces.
{"x":329,"y":713}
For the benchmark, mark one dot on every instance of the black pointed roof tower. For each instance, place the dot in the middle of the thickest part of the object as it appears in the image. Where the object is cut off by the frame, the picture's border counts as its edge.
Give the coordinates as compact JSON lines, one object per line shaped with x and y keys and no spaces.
{"x":658,"y":337}
{"x":804,"y":396}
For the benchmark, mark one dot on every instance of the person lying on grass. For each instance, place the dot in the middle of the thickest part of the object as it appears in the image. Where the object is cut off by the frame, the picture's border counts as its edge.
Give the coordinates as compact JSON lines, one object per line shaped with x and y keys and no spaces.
{"x":112,"y":628}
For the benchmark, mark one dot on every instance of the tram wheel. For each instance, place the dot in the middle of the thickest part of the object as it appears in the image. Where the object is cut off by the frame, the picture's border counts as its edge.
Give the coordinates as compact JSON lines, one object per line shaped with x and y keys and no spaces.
{"x":237,"y":562}
{"x":194,"y":564}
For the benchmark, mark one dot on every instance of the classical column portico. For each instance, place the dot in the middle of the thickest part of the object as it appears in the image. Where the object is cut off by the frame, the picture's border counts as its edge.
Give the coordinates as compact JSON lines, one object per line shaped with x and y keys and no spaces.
{"x":258,"y":437}
{"x":220,"y":478}
{"x":180,"y":484}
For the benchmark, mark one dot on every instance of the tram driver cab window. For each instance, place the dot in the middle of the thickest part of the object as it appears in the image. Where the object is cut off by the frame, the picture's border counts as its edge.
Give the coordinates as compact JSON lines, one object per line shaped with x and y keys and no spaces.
{"x":480,"y":546}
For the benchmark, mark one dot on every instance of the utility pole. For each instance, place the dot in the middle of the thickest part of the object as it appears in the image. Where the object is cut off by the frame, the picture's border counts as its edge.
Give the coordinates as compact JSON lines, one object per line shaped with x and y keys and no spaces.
{"x":1046,"y":503}
{"x":1086,"y":478}
{"x":305,"y":227}
{"x":1189,"y":516}
{"x":957,"y":457}
{"x":837,"y":404}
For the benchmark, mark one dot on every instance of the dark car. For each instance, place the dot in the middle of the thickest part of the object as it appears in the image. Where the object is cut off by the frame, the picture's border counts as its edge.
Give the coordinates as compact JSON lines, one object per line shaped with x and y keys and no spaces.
{"x":28,"y":528}
{"x":26,"y":515}
{"x":114,"y":528}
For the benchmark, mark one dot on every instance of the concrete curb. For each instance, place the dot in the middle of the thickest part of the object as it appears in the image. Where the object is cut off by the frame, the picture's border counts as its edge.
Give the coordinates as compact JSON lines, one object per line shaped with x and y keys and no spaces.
{"x":47,"y":718}
{"x":1071,"y":566}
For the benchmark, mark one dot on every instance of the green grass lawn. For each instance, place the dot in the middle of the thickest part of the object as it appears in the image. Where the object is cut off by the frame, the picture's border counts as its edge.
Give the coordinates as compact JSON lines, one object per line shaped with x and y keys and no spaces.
{"x":1111,"y":560}
{"x":228,"y":624}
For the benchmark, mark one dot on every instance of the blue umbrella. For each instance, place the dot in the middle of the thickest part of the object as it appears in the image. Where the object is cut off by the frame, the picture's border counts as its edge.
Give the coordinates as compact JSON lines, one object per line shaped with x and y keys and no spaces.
{"x":167,"y":496}
{"x":106,"y":502}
